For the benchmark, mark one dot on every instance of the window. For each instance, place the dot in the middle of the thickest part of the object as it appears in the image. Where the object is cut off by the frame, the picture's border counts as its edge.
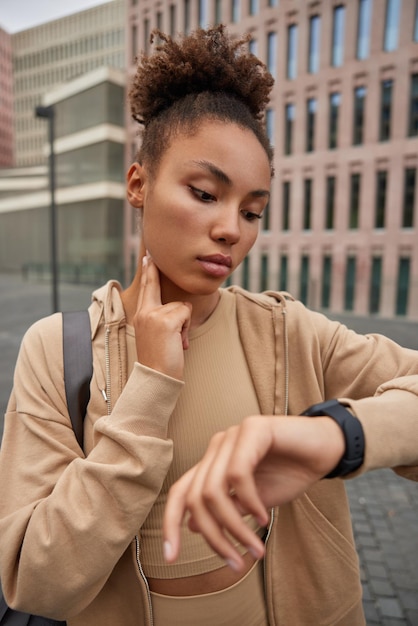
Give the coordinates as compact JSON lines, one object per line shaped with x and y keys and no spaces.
{"x":330,"y":203}
{"x":266,"y":217}
{"x":289,"y":119}
{"x":172,"y":20}
{"x":203,"y":16}
{"x":375,"y":284}
{"x":358,"y":122}
{"x":272,"y":3}
{"x":413,"y":107}
{"x":253,"y":46}
{"x":409,"y":197}
{"x":235,"y":12}
{"x":314,"y":43}
{"x":292,"y":41}
{"x":283,"y":273}
{"x":385,"y":109}
{"x":134,"y":33}
{"x":307,"y":204}
{"x":354,"y":201}
{"x":304,"y":279}
{"x":218,"y":12}
{"x":270,"y":125}
{"x":272,"y":53}
{"x":363,"y":28}
{"x":403,"y":286}
{"x":264,"y":272}
{"x":286,"y":206}
{"x":334,"y":110}
{"x":253,"y":7}
{"x":393,"y":10}
{"x":245,"y":282}
{"x":350,"y":283}
{"x":415,"y":36}
{"x":146,"y":36}
{"x":187,"y":16}
{"x":380,"y":205}
{"x":326,"y":282}
{"x":337,"y":52}
{"x":310,"y":124}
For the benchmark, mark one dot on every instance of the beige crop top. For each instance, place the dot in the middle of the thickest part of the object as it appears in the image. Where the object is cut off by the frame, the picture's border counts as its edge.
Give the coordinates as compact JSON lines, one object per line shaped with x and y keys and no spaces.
{"x":218,"y":393}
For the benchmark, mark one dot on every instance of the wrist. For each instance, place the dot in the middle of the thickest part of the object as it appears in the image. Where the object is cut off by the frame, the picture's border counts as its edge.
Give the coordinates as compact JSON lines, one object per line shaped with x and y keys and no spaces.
{"x":352,"y":431}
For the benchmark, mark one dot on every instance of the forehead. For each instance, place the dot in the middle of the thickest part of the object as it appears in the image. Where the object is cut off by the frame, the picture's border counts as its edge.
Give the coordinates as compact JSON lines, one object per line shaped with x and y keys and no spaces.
{"x":228,"y":146}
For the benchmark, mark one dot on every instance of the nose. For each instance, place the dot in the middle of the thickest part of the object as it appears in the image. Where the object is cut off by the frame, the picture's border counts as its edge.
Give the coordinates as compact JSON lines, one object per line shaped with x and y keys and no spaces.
{"x":226,"y":225}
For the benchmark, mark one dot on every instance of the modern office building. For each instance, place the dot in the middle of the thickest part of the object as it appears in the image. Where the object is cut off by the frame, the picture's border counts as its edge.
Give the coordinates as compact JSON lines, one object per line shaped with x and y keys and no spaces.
{"x":54,"y":53}
{"x":6,"y":100}
{"x":89,"y":187}
{"x":341,"y":232}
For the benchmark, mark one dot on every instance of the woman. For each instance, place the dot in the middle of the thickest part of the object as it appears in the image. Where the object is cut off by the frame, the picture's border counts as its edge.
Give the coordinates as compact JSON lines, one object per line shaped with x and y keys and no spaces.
{"x":177,"y":359}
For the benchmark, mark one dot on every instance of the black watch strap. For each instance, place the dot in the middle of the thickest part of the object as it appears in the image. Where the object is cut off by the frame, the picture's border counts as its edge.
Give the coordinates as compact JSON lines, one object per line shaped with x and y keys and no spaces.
{"x":353,"y":435}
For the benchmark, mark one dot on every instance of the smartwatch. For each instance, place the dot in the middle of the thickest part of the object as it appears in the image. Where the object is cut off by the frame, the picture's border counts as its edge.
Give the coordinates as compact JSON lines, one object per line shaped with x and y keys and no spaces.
{"x":353,"y":435}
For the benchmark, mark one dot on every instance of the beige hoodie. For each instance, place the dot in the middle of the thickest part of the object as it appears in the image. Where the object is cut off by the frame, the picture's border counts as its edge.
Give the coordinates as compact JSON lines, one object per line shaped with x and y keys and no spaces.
{"x":70,"y":523}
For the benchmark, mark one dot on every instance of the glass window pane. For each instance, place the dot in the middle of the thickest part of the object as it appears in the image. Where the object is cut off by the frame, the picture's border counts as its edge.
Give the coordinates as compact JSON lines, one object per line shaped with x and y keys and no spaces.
{"x":314,"y":43}
{"x":363,"y":28}
{"x":393,"y":11}
{"x":337,"y":53}
{"x":292,"y":41}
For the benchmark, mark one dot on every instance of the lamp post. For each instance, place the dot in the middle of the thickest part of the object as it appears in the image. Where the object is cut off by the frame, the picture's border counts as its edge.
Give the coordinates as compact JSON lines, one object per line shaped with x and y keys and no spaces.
{"x":47,"y":112}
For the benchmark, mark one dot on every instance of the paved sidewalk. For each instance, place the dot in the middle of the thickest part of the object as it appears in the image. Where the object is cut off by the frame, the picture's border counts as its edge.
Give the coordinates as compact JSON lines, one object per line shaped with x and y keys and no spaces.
{"x":384,"y":506}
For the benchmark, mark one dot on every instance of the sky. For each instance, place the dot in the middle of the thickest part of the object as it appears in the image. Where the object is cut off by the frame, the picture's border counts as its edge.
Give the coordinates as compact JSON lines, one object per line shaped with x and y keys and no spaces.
{"x":16,"y":15}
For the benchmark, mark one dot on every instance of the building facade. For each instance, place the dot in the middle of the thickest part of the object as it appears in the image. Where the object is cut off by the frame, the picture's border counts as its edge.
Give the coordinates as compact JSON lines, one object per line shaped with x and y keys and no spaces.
{"x":341,"y":232}
{"x":6,"y":100}
{"x":49,"y":55}
{"x":89,"y":187}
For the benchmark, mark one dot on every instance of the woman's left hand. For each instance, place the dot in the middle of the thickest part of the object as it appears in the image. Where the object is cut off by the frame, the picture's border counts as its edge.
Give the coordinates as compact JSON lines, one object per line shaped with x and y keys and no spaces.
{"x":263,"y":462}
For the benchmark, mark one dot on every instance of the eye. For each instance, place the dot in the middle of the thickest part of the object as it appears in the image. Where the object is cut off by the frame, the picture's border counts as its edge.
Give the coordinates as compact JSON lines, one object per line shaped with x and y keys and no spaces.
{"x":250,"y":216}
{"x":204,"y":196}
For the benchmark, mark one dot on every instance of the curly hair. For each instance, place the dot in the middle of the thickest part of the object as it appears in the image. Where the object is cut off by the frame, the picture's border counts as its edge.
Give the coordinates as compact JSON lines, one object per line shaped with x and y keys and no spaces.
{"x":204,"y":75}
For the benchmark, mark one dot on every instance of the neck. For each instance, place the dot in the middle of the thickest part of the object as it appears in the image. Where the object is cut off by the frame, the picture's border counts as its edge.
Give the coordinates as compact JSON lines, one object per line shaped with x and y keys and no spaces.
{"x":202,"y":305}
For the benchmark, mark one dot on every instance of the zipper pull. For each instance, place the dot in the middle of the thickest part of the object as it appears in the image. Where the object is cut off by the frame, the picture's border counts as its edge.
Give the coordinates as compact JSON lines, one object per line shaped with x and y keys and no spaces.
{"x":104,"y":395}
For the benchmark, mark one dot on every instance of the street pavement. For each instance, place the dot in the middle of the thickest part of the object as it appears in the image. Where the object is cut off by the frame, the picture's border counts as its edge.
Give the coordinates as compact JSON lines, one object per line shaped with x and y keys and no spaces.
{"x":384,"y":506}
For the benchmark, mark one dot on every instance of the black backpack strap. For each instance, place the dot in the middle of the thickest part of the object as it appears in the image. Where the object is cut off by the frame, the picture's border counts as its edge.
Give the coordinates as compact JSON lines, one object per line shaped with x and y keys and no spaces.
{"x":78,"y":366}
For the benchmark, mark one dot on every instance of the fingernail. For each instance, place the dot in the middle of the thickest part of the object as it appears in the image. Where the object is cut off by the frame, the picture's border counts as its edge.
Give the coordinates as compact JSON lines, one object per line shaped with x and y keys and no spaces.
{"x":233,"y":565}
{"x":144,"y":261}
{"x":168,"y":550}
{"x":255,"y":552}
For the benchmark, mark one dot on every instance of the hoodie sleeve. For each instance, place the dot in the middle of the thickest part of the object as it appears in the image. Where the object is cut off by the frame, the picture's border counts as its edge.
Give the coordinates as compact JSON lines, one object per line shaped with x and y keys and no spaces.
{"x":64,"y":517}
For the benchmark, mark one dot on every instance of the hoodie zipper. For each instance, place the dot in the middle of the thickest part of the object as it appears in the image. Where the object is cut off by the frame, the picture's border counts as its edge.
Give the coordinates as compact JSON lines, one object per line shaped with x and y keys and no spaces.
{"x":106,"y":392}
{"x":144,"y":578}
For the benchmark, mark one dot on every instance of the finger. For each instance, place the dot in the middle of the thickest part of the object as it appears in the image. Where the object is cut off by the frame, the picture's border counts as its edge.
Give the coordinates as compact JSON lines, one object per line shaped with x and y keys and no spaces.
{"x":186,"y":327}
{"x":213,"y":512}
{"x":174,"y":514}
{"x":150,"y":289}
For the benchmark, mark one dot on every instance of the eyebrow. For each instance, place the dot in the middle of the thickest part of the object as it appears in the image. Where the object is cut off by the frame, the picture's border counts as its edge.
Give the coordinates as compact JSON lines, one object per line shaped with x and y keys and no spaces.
{"x":224,"y":178}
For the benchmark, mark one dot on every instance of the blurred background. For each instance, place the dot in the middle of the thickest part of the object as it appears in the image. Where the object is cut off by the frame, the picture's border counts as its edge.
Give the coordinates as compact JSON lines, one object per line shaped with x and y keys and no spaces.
{"x":340,"y":232}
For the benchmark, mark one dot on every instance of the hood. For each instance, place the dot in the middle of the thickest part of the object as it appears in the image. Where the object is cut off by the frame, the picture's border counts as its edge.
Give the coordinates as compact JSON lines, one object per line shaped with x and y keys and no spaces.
{"x":107,"y":307}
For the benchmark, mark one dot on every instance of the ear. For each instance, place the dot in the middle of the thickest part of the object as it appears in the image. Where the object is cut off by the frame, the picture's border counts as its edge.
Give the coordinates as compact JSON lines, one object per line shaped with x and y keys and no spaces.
{"x":135,"y":179}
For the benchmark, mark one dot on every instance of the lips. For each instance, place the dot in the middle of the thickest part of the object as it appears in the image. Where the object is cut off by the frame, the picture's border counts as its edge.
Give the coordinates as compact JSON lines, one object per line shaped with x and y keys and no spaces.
{"x":217,"y":265}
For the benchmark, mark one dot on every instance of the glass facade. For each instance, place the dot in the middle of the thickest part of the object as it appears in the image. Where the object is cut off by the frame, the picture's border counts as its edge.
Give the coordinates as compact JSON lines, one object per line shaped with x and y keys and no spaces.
{"x":99,"y":105}
{"x":90,"y":164}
